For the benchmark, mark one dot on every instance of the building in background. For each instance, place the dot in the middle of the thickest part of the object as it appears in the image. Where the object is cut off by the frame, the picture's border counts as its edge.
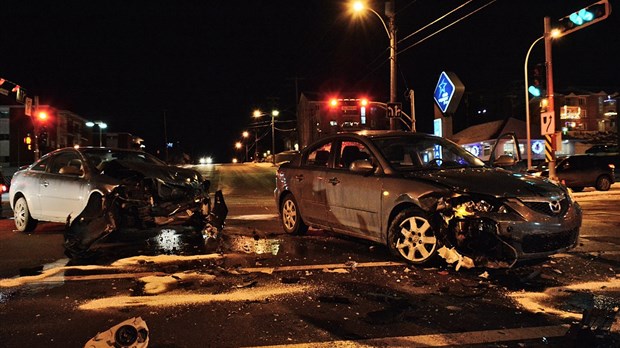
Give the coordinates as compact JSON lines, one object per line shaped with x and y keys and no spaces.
{"x":318,"y":117}
{"x":58,"y":129}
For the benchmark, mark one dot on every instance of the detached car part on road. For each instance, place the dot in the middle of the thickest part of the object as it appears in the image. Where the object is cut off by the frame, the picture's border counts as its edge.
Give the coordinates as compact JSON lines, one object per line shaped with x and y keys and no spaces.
{"x":424,"y":196}
{"x":97,"y":191}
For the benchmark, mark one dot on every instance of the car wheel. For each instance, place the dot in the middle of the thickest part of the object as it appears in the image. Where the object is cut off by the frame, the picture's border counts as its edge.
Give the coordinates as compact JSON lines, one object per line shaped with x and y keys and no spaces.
{"x":23,"y":220}
{"x":577,"y":189}
{"x":412,"y":238}
{"x":603,"y":183}
{"x":291,"y":218}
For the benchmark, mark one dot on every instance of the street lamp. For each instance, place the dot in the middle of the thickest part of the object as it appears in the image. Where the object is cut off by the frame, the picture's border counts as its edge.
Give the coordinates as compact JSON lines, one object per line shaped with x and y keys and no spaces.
{"x":101,"y":125}
{"x":274,"y":113}
{"x":390,"y":30}
{"x":245,"y":136}
{"x":554,"y":34}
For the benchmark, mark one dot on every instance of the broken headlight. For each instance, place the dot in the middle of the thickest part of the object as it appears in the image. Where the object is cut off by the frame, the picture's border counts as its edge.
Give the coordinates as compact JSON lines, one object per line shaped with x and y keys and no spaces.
{"x":466,"y":206}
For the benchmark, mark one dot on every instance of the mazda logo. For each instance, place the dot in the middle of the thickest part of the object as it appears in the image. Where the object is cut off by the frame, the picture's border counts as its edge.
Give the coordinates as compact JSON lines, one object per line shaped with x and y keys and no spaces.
{"x":555,"y":206}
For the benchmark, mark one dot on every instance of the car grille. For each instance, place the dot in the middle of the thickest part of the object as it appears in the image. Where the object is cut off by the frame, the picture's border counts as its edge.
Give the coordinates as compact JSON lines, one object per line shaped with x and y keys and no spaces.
{"x":538,"y":243}
{"x":545,"y":208}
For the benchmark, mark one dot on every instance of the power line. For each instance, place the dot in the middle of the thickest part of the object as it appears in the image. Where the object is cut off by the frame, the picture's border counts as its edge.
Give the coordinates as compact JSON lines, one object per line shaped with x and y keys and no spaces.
{"x":433,"y":22}
{"x":446,"y":27}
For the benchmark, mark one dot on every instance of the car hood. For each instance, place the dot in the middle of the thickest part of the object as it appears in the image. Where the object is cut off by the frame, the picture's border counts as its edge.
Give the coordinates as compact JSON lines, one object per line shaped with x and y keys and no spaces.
{"x":490,"y":181}
{"x":171,"y":174}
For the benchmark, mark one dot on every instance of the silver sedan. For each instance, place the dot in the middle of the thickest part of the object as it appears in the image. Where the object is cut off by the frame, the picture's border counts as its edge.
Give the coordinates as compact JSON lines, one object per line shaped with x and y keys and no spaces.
{"x":423,"y":197}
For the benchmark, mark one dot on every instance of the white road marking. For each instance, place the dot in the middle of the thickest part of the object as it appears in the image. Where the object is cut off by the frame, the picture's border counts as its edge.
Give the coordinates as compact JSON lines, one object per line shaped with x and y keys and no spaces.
{"x":442,"y":340}
{"x":325,"y":266}
{"x":253,"y":217}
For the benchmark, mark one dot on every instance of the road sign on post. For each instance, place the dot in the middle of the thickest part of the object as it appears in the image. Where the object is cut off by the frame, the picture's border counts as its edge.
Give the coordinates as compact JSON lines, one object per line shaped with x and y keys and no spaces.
{"x":448,"y":92}
{"x":547,"y":123}
{"x":28,"y":107}
{"x":394,"y":110}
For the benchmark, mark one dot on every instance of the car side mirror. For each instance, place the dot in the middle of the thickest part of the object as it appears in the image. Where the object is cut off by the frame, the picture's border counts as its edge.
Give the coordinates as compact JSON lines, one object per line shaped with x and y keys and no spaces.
{"x":504,"y":161}
{"x":362,"y":166}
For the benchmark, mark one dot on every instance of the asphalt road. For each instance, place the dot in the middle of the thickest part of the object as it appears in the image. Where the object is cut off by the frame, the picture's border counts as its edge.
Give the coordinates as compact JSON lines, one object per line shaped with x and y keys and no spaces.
{"x":255,"y":286}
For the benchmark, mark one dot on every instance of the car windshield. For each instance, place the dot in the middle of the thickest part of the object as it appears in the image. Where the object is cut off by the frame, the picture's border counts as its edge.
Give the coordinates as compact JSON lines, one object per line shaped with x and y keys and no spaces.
{"x":407,"y":153}
{"x":98,"y":157}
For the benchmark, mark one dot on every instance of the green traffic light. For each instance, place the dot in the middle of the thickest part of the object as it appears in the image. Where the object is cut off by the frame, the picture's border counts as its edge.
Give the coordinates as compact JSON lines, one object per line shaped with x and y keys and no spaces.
{"x":581,"y":17}
{"x":535,"y":91}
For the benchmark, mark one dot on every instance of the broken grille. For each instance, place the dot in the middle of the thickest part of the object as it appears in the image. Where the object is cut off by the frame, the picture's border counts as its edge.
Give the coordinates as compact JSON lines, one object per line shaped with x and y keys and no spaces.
{"x":545,"y":207}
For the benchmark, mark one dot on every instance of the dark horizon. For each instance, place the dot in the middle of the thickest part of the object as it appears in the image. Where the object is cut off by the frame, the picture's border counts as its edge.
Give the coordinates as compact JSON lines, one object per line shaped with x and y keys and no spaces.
{"x":209,"y":65}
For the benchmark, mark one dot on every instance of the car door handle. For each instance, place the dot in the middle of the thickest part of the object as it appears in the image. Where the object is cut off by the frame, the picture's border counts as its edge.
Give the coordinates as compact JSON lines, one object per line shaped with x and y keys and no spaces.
{"x":334,"y":181}
{"x":45,"y":183}
{"x":299,"y":177}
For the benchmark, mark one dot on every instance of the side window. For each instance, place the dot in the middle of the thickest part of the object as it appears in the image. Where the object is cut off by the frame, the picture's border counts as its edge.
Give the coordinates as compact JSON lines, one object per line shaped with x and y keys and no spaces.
{"x":41,"y":165}
{"x":351,"y":151}
{"x":319,"y":157}
{"x":66,"y":163}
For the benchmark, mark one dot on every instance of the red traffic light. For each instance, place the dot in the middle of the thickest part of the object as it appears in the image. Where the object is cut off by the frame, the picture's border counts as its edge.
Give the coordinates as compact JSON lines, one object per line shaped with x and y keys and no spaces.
{"x":42,"y":115}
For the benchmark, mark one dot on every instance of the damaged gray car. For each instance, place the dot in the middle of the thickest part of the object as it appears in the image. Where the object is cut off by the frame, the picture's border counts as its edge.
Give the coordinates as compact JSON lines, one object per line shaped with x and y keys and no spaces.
{"x":97,"y":191}
{"x":425,"y":197}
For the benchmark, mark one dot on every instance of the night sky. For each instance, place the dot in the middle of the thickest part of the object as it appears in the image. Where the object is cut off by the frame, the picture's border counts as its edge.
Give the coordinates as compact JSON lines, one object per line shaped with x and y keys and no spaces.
{"x":208,"y":64}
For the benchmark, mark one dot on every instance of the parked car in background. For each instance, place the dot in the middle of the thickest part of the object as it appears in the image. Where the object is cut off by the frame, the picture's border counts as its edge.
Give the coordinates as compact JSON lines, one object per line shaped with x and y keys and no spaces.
{"x":424,"y":196}
{"x":581,"y":171}
{"x":600,"y":149}
{"x":97,"y":191}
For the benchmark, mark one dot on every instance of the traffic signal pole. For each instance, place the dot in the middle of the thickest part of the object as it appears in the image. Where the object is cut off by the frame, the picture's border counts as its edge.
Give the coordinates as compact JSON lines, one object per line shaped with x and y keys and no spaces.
{"x":390,"y":9}
{"x":35,"y":125}
{"x":551,"y":104}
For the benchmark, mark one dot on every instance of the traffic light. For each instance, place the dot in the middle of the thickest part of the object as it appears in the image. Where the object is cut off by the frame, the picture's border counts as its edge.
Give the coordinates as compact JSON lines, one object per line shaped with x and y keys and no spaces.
{"x":539,"y":75}
{"x":28,"y":142}
{"x":42,"y":116}
{"x":43,"y":138}
{"x":584,"y":17}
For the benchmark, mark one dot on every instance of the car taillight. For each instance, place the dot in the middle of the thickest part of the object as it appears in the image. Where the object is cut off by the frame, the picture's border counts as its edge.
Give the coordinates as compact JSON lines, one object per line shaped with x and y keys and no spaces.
{"x":3,"y":188}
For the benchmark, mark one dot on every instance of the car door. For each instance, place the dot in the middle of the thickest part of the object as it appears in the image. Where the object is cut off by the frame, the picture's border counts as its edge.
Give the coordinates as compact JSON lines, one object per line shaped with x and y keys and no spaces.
{"x":31,"y":188}
{"x":63,"y":188}
{"x":353,"y":199}
{"x":310,"y":180}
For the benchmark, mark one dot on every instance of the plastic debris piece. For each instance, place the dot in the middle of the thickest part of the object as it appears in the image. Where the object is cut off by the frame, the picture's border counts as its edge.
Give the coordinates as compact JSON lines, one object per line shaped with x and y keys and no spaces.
{"x":335,"y":270}
{"x":452,"y":256}
{"x":132,"y":333}
{"x":484,"y":275}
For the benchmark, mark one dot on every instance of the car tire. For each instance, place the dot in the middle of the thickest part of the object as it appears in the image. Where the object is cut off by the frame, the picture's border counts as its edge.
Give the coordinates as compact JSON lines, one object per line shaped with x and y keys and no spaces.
{"x":603,"y":183}
{"x":291,"y":217}
{"x":412,"y":237}
{"x":23,"y":220}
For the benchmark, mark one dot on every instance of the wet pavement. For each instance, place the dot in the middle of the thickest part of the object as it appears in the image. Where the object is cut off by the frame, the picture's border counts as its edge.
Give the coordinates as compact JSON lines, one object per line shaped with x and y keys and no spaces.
{"x":277,"y":289}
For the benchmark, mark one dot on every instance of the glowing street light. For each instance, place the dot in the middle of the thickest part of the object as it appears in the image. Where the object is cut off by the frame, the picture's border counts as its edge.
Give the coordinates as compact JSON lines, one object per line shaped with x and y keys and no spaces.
{"x":102,"y":126}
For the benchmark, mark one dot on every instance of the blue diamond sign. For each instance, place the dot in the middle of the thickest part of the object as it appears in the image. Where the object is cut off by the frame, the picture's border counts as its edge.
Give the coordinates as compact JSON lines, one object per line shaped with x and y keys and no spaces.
{"x":448,"y":92}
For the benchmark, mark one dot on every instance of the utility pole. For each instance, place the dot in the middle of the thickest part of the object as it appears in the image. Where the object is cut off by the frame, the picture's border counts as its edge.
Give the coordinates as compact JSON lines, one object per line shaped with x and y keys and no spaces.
{"x":412,"y":99}
{"x":390,"y":12}
{"x":551,"y":105}
{"x":35,"y":125}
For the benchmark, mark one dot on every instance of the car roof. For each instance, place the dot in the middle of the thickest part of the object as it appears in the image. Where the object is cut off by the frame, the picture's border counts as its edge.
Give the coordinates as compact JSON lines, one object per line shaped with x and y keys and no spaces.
{"x":374,"y":134}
